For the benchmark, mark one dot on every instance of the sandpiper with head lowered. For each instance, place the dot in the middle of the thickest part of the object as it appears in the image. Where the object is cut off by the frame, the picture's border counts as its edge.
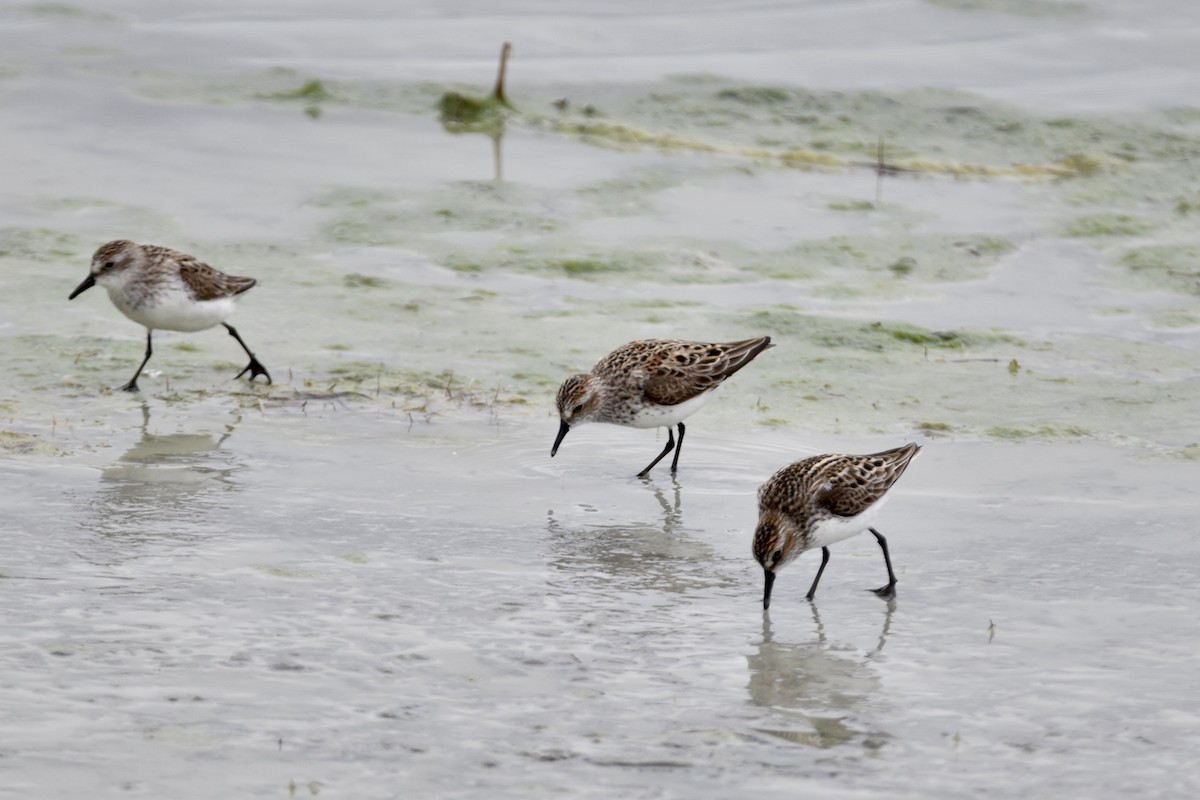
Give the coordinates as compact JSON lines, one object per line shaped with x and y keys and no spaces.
{"x":165,"y":289}
{"x":821,"y":500}
{"x":651,"y":384}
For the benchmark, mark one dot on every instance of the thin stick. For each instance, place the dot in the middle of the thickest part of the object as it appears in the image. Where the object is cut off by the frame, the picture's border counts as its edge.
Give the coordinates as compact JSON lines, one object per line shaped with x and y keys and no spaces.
{"x":498,"y":92}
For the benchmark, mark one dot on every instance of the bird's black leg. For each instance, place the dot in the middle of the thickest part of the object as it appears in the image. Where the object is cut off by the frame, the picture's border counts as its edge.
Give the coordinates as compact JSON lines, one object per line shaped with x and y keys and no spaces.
{"x":812,"y":590}
{"x":132,"y":385}
{"x":670,"y":446}
{"x":678,"y":450}
{"x":254,"y":368}
{"x":890,"y":589}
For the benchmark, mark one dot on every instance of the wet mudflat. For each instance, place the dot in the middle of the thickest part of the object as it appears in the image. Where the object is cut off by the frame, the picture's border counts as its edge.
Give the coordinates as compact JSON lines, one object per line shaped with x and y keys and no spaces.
{"x":369,"y":578}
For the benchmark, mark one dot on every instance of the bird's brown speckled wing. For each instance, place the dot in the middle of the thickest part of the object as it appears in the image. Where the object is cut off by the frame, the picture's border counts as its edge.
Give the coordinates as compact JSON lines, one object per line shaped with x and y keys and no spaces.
{"x":851,"y":484}
{"x":205,"y":282}
{"x":679,"y":371}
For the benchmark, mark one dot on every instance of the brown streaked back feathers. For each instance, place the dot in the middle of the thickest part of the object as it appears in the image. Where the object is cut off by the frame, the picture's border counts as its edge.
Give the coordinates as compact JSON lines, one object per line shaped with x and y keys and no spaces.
{"x":843,"y":485}
{"x":204,"y":282}
{"x":681,"y":370}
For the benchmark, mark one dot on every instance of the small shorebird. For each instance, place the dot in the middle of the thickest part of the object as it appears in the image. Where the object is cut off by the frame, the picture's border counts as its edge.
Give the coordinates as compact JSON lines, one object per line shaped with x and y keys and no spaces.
{"x":655,"y":383}
{"x":169,"y":290}
{"x":821,"y":500}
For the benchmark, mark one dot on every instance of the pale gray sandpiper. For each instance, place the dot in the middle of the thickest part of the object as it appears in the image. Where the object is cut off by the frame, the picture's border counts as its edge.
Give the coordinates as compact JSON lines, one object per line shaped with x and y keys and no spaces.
{"x":165,"y":289}
{"x":654,"y":383}
{"x":821,"y":500}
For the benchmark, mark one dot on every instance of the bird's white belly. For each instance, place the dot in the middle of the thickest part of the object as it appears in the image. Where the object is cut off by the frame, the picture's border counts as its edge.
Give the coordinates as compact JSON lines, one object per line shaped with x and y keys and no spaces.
{"x":666,"y":416}
{"x":175,"y":310}
{"x":835,"y":529}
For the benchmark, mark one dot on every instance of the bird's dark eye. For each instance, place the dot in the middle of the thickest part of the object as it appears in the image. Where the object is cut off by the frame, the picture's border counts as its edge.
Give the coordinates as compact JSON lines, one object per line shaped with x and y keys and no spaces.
{"x":577,"y":409}
{"x":107,"y":266}
{"x":778,"y":554}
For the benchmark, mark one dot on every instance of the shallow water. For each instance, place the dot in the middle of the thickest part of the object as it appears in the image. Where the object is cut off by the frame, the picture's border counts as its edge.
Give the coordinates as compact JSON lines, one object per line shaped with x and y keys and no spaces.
{"x":370,"y":579}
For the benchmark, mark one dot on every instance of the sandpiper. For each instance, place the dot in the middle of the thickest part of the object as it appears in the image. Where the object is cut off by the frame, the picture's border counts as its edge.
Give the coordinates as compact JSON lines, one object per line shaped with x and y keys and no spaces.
{"x":650,"y":384}
{"x":161,"y":288}
{"x":821,"y":500}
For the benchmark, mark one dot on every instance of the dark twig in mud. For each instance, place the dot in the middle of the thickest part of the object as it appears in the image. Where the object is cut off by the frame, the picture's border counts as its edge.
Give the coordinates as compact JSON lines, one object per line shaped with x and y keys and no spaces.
{"x":460,"y":113}
{"x":331,"y":395}
{"x":302,"y":397}
{"x":498,"y":91}
{"x":881,"y":168}
{"x":879,"y":173}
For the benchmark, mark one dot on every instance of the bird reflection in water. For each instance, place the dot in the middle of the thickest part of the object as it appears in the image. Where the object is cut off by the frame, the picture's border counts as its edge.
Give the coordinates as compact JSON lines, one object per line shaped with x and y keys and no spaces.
{"x":820,"y":683}
{"x":652,"y":556}
{"x":161,"y":490}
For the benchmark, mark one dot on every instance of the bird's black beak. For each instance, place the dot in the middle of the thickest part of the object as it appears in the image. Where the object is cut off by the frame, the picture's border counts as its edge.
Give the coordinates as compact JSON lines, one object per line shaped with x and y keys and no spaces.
{"x":563,"y":427}
{"x":88,"y":283}
{"x":770,"y":578}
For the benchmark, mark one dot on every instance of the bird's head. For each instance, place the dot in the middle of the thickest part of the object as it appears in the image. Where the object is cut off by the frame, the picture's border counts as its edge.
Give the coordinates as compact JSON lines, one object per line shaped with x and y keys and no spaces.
{"x":775,"y":544}
{"x":112,"y":266}
{"x":578,"y":400}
